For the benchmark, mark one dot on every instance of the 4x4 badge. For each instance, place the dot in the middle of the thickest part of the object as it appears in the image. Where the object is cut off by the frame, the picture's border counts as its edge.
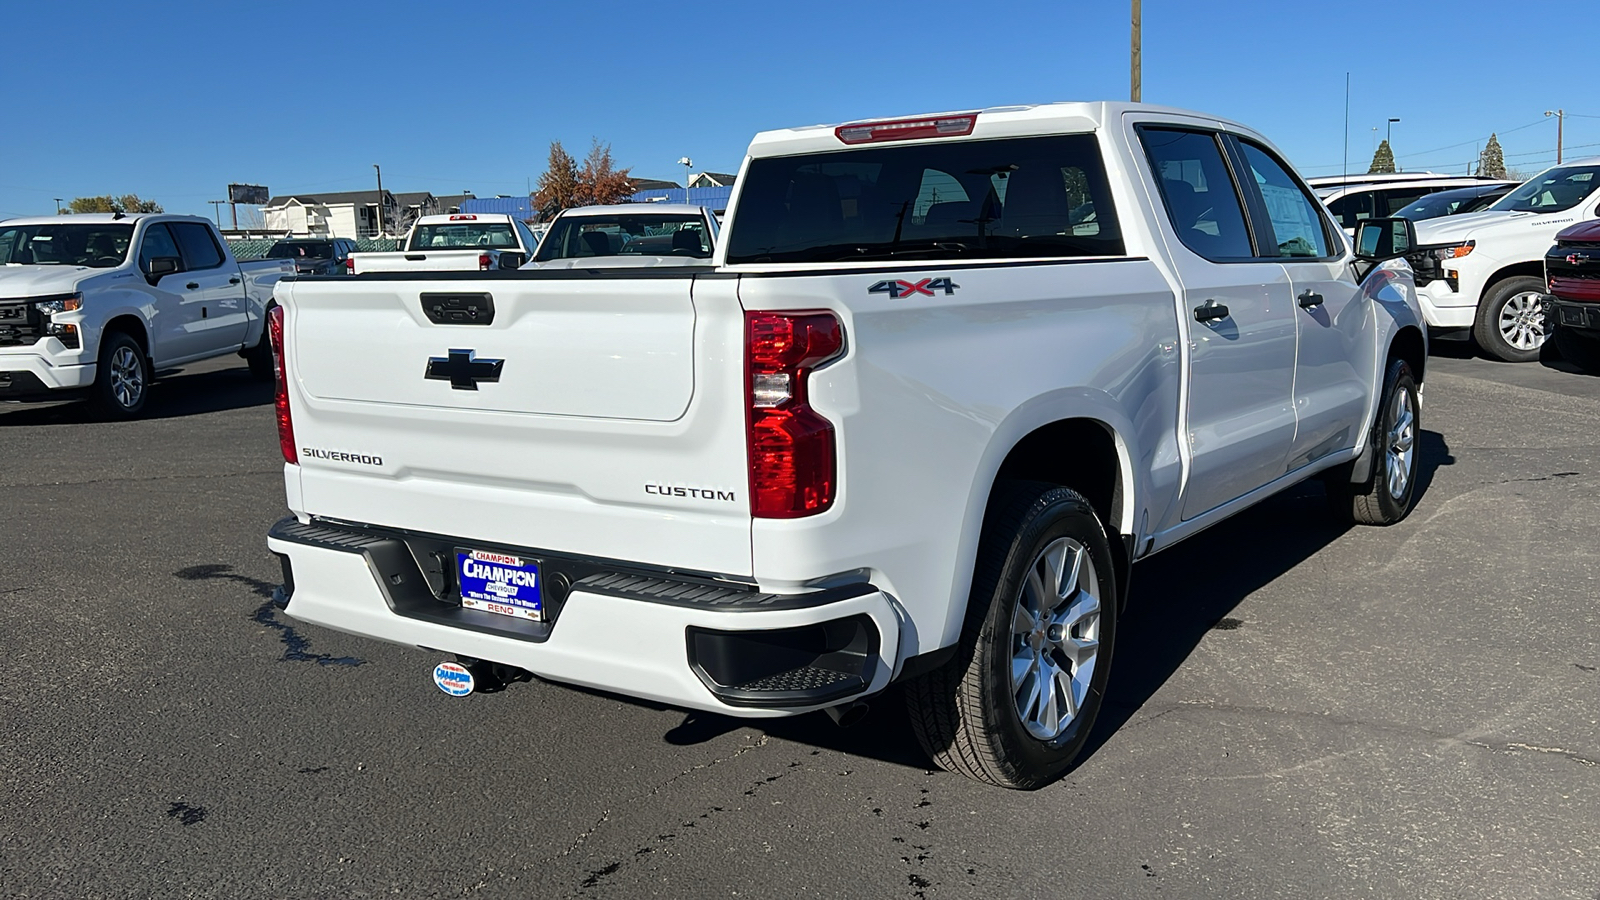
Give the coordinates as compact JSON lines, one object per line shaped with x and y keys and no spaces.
{"x":898,"y":289}
{"x":463,"y":369}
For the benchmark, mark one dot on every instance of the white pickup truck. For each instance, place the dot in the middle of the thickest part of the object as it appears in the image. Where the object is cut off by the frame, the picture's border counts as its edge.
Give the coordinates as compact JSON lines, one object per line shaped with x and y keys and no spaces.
{"x":629,"y":234}
{"x":99,"y":302}
{"x":1489,"y":274}
{"x":458,"y":242}
{"x":944,"y":380}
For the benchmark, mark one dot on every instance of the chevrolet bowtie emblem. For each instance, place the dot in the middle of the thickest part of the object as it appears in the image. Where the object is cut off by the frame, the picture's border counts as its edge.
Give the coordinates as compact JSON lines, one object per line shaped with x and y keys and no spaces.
{"x":463,"y":370}
{"x":1577,"y":259}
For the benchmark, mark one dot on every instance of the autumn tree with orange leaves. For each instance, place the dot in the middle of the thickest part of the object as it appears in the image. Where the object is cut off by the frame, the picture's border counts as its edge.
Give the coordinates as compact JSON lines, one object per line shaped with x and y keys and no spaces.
{"x":565,"y":185}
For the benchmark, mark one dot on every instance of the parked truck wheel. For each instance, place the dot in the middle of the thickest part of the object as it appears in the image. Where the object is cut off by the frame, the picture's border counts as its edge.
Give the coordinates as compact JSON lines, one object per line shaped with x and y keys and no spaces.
{"x":1582,"y":350}
{"x":259,"y":357}
{"x":1387,"y":495}
{"x":1510,"y":324}
{"x":1015,"y":705}
{"x":122,"y":378}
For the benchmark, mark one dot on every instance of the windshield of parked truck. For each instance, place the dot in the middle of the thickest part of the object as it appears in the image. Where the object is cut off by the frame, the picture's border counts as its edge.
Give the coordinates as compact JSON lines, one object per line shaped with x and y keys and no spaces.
{"x":96,"y":246}
{"x":301,"y":250}
{"x":1552,"y":191}
{"x":464,"y":236}
{"x":633,"y":234}
{"x":1021,"y":197}
{"x":1444,"y":203}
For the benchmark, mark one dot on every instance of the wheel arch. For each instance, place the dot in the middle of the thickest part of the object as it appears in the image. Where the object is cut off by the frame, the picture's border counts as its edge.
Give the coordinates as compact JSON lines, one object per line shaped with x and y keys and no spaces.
{"x":1410,"y":345}
{"x":1533,"y":269}
{"x":131,"y":325}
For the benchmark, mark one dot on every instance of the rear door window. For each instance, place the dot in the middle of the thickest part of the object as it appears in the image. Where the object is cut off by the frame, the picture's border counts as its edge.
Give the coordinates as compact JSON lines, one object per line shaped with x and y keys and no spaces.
{"x":1198,"y":191}
{"x":200,"y":250}
{"x":1043,"y":197}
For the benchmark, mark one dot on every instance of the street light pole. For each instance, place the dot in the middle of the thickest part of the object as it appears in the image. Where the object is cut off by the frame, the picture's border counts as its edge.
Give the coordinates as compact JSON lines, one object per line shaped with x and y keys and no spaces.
{"x":380,"y":198}
{"x":1561,"y":116}
{"x":216,"y":210}
{"x":58,"y":206}
{"x":687,"y":164}
{"x":1136,"y":55}
{"x":1388,"y":134}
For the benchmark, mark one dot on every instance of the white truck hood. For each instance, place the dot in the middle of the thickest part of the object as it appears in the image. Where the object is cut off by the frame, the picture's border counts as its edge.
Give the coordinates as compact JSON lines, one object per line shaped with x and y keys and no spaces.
{"x":617,"y":262}
{"x":1452,"y":229}
{"x":41,"y":281}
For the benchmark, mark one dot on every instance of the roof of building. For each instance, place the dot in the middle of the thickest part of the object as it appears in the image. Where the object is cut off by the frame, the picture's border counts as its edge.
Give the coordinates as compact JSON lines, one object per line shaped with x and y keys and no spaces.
{"x":654,"y":184}
{"x":717,"y":179}
{"x":369,"y":198}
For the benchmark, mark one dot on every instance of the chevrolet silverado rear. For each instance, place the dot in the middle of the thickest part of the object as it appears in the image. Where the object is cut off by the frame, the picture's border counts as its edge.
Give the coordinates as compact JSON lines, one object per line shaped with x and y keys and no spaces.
{"x":942,"y":381}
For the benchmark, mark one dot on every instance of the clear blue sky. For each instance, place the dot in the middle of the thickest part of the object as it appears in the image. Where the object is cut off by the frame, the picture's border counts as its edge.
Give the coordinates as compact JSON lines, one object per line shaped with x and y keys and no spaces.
{"x":173,"y":100}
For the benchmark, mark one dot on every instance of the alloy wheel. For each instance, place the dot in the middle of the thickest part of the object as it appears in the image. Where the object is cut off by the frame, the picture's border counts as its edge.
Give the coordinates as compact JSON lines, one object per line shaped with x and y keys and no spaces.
{"x":1521,"y":320}
{"x":127,"y":377}
{"x":1402,"y":444}
{"x":1055,"y":631}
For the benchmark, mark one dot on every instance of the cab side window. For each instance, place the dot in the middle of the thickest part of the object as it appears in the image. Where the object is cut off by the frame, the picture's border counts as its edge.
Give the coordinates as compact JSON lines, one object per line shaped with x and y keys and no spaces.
{"x":1292,"y":213}
{"x":158,"y":242}
{"x":1352,"y":208}
{"x":199,"y":248}
{"x":1198,"y":192}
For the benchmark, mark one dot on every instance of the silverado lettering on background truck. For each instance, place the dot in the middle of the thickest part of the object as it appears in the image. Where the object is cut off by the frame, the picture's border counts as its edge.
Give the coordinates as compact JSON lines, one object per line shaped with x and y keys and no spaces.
{"x":970,"y":367}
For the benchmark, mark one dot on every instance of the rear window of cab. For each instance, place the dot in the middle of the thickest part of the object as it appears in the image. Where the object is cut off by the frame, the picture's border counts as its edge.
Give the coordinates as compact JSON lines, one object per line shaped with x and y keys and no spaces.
{"x":1038,"y":197}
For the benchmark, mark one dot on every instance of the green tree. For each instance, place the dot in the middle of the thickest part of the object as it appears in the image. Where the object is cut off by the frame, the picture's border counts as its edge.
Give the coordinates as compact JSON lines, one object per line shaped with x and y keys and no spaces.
{"x":127,"y":203}
{"x":1383,"y":160}
{"x":1492,"y":161}
{"x":559,"y":187}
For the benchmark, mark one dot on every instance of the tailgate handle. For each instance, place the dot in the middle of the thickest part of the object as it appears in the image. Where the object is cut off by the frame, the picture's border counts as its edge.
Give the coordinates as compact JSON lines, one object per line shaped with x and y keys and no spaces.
{"x":458,"y":309}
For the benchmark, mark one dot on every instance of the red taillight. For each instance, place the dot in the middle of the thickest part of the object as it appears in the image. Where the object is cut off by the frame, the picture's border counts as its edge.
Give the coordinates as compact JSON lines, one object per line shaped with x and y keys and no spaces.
{"x":907,"y":129}
{"x":280,"y":398}
{"x":349,"y":265}
{"x":791,"y":447}
{"x":483,"y":262}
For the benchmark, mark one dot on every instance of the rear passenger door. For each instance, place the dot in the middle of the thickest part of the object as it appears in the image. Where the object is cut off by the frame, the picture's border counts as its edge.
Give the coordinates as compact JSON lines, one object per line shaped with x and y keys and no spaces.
{"x":1331,"y":319}
{"x":1239,"y":314}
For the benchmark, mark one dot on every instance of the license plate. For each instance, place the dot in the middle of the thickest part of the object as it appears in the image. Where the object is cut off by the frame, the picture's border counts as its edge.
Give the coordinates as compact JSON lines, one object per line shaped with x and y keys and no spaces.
{"x":499,"y":583}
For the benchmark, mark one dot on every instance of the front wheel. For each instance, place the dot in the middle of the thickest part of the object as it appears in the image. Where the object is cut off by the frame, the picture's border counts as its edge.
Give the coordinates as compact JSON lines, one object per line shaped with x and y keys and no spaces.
{"x":1510,"y":322}
{"x":1015,"y":705}
{"x":1390,"y":491}
{"x":122,"y":378}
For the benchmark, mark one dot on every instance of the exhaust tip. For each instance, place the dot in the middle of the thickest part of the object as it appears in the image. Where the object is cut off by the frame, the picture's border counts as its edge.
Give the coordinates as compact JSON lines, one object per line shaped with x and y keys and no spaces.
{"x":848,"y":714}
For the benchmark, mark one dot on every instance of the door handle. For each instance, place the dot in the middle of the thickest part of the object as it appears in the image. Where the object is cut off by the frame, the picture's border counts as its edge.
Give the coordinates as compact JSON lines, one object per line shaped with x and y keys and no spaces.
{"x":1209,"y":311}
{"x":1309,"y":299}
{"x":192,"y":285}
{"x":233,"y":281}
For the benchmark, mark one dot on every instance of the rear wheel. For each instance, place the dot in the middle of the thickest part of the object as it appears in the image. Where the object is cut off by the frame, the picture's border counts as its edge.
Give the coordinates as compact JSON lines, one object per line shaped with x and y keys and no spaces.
{"x":122,"y":378}
{"x":1015,"y":705}
{"x":259,"y":357}
{"x":1510,"y":322}
{"x":1579,"y":348}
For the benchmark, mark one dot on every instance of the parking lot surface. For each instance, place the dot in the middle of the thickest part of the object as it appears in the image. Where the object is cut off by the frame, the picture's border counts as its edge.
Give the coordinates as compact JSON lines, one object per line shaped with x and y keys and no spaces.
{"x":1295,"y":709}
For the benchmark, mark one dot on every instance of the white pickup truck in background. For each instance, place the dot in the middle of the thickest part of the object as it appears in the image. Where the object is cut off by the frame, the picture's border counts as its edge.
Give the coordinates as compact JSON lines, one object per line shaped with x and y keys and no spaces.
{"x":633,"y":234}
{"x":942,"y":382}
{"x":458,"y":242}
{"x":1489,"y":277}
{"x":102,"y":301}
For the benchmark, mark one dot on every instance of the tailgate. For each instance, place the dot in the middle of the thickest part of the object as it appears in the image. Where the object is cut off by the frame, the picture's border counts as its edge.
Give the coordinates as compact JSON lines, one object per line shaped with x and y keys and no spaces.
{"x":420,"y":261}
{"x":585,"y":414}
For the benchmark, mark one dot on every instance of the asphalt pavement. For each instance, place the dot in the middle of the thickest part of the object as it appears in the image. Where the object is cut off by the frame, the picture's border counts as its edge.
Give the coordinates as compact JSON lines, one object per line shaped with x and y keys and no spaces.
{"x":1295,"y":710}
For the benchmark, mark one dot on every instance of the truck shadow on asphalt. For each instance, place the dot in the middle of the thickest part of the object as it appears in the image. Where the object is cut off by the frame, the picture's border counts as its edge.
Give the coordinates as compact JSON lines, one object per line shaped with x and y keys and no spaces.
{"x":1178,"y":596}
{"x":172,"y":396}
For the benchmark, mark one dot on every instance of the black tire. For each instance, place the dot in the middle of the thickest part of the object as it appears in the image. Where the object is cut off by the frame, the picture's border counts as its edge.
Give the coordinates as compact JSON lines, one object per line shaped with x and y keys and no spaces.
{"x":1375,"y":502}
{"x":966,"y":713}
{"x":1529,"y":326}
{"x":122,"y":377}
{"x":1579,"y":348}
{"x":259,"y":357}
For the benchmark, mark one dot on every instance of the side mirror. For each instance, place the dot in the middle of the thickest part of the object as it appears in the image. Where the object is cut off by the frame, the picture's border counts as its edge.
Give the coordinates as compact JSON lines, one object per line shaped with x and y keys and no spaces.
{"x":1378,"y":240}
{"x":162,"y":265}
{"x":511,"y":260}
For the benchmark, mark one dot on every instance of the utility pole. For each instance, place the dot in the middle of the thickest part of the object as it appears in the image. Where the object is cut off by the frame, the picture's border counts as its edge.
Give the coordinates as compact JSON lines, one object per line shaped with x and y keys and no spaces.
{"x":1136,"y":56}
{"x":380,"y":198}
{"x":216,"y":210}
{"x":1561,"y":116}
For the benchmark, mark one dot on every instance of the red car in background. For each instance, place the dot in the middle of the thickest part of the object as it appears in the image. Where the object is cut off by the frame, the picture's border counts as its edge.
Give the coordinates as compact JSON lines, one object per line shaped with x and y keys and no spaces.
{"x":1572,"y":274}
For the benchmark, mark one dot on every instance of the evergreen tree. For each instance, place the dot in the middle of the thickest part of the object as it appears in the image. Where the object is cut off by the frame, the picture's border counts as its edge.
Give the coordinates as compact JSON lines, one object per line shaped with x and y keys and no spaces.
{"x":1492,"y":161}
{"x":1383,"y":160}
